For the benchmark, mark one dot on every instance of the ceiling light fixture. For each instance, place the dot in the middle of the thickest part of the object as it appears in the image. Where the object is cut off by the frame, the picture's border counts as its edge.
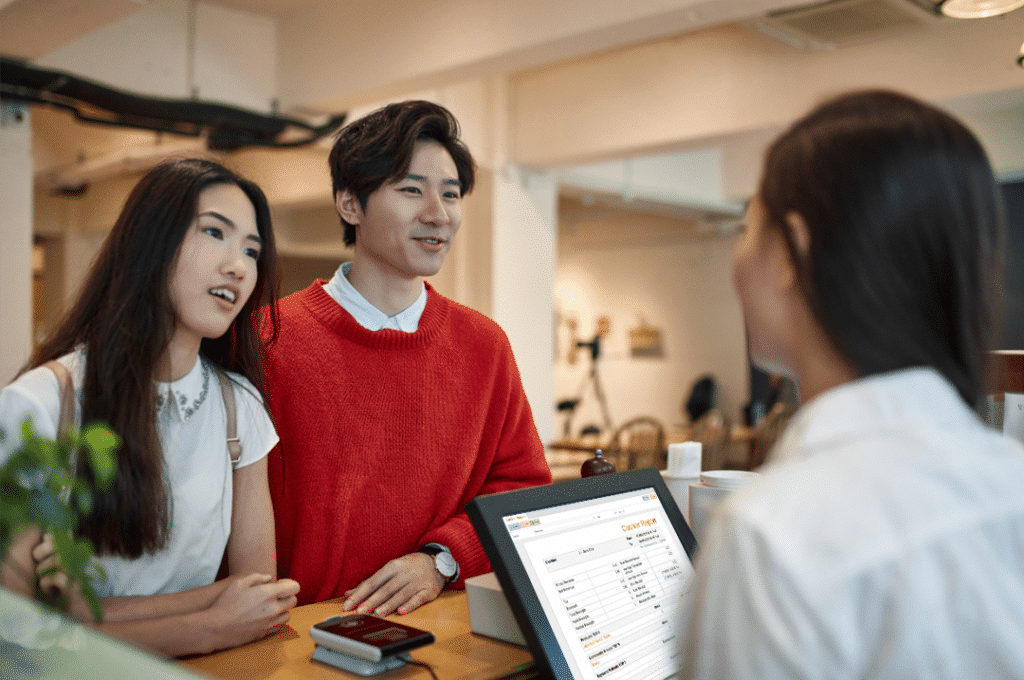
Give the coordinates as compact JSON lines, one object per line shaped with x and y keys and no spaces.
{"x":978,"y":9}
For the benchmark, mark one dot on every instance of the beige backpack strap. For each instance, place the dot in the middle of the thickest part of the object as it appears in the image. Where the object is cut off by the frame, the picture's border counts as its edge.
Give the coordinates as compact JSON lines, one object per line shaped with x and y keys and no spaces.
{"x":226,"y":389}
{"x":66,"y":421}
{"x":67,"y":396}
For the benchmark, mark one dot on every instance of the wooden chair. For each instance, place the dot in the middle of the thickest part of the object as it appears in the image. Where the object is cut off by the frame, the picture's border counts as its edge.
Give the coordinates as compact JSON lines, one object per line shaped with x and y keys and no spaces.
{"x":639,"y":442}
{"x":712,"y":431}
{"x":768,"y":432}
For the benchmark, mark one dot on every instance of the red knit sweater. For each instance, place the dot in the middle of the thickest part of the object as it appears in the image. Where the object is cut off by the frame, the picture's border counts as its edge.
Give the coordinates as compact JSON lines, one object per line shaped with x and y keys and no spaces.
{"x":385,"y":436}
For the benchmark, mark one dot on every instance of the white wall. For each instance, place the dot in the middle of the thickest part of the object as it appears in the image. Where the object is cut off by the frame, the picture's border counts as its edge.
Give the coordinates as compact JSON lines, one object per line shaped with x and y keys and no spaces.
{"x":692,"y":178}
{"x":81,"y":223}
{"x":16,"y":237}
{"x":179,"y":49}
{"x":1001,"y":131}
{"x":674,"y":280}
{"x":702,"y":88}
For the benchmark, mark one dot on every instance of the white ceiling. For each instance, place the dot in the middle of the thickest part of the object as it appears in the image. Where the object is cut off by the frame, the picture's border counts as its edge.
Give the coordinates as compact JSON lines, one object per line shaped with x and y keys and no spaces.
{"x":33,"y":28}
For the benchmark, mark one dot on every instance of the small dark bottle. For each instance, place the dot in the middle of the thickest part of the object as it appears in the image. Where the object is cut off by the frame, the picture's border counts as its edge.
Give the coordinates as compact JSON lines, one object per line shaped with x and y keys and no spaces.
{"x":597,"y":465}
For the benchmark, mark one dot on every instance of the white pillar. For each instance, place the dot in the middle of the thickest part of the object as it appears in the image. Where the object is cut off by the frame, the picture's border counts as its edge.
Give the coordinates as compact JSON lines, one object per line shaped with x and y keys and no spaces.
{"x":15,"y":239}
{"x":504,"y":264}
{"x":525,"y":214}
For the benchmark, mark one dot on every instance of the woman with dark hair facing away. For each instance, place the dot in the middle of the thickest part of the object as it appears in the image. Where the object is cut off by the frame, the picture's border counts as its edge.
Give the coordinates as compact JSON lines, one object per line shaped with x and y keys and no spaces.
{"x":885,"y":537}
{"x":168,"y":309}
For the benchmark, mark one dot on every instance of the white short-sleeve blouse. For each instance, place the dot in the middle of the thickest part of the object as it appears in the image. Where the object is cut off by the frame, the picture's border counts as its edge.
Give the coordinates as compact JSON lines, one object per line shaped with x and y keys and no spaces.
{"x":196,"y":465}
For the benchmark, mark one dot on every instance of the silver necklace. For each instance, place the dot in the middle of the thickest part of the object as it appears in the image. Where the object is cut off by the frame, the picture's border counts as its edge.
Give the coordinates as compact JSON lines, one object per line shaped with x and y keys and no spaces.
{"x":183,"y":400}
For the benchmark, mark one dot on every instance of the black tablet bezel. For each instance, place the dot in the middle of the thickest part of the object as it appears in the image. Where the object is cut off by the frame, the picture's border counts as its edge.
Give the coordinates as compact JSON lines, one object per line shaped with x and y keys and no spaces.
{"x":486,"y":512}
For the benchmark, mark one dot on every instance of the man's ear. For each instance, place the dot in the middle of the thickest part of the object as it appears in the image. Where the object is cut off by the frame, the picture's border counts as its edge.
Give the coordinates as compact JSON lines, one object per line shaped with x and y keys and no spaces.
{"x":348,"y":206}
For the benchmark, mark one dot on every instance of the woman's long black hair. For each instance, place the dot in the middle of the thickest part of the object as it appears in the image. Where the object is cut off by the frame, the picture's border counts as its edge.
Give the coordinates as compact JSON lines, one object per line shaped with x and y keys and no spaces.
{"x":906,"y":231}
{"x":124,"y":319}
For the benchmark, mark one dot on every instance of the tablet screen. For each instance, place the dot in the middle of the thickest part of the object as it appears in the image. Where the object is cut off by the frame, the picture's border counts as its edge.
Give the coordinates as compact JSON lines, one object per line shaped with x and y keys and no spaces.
{"x":609,"y":573}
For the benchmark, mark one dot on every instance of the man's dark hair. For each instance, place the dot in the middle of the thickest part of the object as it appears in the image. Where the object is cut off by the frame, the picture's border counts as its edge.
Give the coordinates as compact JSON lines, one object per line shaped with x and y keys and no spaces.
{"x":376,"y":149}
{"x":906,"y":229}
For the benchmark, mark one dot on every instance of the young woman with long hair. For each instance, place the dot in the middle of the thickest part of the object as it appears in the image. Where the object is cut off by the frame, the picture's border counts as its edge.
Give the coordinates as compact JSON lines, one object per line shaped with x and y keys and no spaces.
{"x":170,"y":306}
{"x":885,"y":537}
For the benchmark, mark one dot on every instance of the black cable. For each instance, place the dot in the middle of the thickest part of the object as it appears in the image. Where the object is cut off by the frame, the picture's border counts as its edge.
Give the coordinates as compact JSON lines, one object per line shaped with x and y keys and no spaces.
{"x":227,"y":128}
{"x":429,"y":668}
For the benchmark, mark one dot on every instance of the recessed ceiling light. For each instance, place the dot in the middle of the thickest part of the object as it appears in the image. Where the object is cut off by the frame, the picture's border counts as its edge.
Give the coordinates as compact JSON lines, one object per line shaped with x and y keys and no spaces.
{"x":978,"y":9}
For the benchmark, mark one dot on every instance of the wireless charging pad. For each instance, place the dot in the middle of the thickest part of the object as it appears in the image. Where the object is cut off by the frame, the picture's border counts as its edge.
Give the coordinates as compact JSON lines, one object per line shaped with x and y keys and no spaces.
{"x":356,"y":665}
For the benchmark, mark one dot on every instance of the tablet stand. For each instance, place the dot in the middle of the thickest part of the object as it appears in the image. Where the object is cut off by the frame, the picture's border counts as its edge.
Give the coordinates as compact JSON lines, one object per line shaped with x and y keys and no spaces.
{"x":356,"y":665}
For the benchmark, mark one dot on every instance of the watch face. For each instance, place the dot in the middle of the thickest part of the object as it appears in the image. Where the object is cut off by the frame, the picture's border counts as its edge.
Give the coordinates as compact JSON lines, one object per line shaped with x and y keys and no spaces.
{"x":445,"y":564}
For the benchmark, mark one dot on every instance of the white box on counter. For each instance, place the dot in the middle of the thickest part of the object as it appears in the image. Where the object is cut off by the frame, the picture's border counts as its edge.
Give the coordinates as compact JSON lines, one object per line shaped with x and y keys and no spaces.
{"x":489,"y":613}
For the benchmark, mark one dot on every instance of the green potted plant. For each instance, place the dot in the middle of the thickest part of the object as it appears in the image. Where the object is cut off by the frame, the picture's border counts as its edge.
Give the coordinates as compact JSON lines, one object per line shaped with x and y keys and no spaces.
{"x":39,"y":487}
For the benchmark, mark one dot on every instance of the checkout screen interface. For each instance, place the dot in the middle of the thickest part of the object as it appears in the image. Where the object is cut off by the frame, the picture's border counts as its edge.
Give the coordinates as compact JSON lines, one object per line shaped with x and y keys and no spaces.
{"x":610,"y":574}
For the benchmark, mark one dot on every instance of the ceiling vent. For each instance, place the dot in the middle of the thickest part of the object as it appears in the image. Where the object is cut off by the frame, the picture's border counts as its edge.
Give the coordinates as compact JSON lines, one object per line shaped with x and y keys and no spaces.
{"x":827,"y":25}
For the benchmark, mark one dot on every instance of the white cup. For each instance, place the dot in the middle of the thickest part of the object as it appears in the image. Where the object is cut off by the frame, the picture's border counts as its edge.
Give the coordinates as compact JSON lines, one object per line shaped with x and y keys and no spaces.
{"x":679,"y":487}
{"x":714,"y":485}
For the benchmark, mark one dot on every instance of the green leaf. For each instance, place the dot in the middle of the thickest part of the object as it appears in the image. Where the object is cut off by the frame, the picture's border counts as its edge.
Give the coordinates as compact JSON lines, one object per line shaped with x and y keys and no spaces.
{"x":83,"y":498}
{"x":11,"y":493}
{"x":74,"y":554}
{"x":102,"y":445}
{"x":89,"y":593}
{"x":31,"y":481}
{"x":62,"y":542}
{"x":42,"y":450}
{"x":59,"y":479}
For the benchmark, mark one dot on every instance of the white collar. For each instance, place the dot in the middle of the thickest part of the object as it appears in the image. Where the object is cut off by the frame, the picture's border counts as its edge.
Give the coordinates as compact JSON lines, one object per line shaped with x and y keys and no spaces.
{"x":907,"y":400}
{"x":188,"y":392}
{"x":368,"y":316}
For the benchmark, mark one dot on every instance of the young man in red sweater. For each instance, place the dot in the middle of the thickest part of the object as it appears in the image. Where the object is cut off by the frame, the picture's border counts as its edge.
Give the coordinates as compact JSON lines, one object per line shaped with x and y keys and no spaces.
{"x":395,"y":406}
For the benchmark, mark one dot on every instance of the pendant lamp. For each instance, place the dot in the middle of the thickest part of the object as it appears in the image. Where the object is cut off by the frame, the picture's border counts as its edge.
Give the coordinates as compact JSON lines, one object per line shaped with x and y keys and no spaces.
{"x":978,"y":9}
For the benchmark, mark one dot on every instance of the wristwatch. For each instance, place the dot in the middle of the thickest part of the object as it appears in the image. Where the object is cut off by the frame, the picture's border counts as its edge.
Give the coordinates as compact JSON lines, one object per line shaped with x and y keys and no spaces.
{"x":443,"y":561}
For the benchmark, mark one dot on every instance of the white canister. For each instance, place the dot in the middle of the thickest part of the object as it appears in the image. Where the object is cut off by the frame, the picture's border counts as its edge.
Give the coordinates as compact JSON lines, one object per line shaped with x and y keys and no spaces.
{"x":684,"y":459}
{"x":679,"y":487}
{"x":714,"y":485}
{"x":683,"y":470}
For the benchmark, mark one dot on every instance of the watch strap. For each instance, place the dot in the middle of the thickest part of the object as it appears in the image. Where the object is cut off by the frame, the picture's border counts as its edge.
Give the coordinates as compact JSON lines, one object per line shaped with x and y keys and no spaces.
{"x":435,"y":549}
